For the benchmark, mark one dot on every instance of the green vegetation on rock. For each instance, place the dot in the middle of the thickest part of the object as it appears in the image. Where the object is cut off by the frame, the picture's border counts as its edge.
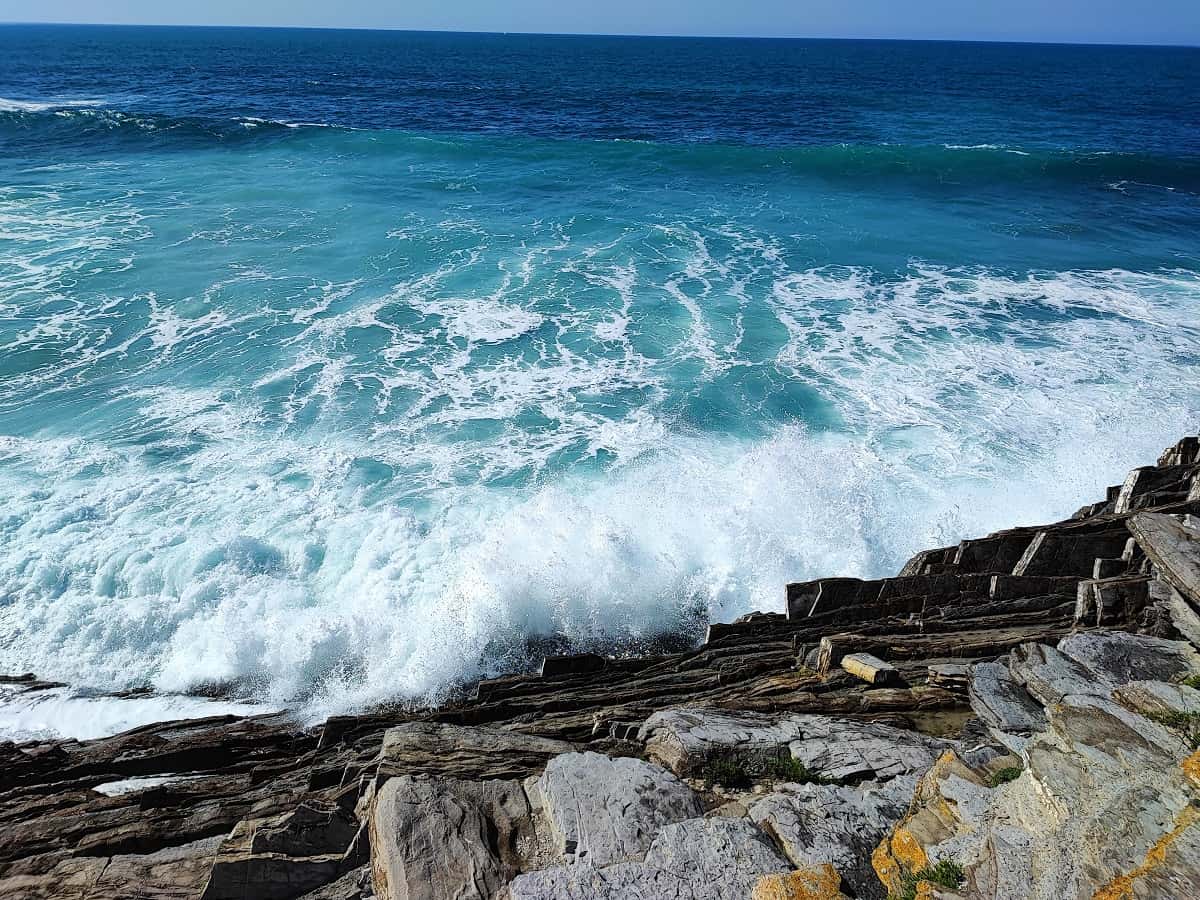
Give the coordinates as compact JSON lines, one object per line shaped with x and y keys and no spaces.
{"x":1004,"y":776}
{"x":1186,"y":722}
{"x":945,"y":874}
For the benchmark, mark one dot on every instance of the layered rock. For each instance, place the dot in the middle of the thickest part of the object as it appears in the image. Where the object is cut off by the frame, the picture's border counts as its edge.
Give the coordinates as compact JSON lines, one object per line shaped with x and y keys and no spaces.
{"x":1013,"y":714}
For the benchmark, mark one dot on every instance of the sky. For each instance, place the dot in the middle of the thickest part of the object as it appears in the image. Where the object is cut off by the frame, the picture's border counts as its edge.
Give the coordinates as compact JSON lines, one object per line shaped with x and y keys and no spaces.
{"x":1087,"y":21}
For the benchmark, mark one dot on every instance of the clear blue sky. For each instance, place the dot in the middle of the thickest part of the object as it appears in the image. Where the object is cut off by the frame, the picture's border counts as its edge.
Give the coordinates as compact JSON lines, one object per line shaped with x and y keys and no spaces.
{"x":1122,"y":21}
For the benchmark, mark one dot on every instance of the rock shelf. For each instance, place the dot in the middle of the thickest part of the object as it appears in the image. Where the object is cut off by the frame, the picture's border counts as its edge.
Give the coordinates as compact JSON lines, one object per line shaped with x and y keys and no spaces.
{"x":1016,"y":716}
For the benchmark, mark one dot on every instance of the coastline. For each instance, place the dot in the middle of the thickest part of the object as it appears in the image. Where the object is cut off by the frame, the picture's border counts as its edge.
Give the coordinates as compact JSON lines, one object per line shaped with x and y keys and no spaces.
{"x":965,"y":720}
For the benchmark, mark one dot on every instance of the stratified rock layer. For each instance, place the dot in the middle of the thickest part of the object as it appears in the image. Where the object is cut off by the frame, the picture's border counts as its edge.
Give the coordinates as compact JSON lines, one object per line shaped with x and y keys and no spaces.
{"x":1020,"y":708}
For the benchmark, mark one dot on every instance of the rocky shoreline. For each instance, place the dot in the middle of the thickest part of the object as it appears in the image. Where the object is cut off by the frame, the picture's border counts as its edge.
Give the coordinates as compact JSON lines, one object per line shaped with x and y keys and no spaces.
{"x":1017,"y":716}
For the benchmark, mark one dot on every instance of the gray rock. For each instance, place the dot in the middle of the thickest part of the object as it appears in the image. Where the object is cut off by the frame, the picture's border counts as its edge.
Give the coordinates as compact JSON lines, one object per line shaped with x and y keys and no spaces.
{"x":838,"y":825}
{"x":683,"y":739}
{"x":1004,"y":705}
{"x":844,"y":749}
{"x":604,"y":810}
{"x":837,"y":748}
{"x":1102,"y":808}
{"x":1149,"y":697}
{"x":283,"y":856}
{"x":438,"y":748}
{"x":1118,"y":657}
{"x":1049,"y":675}
{"x":724,"y":857}
{"x":443,"y":839}
{"x":700,"y":859}
{"x":1173,"y":544}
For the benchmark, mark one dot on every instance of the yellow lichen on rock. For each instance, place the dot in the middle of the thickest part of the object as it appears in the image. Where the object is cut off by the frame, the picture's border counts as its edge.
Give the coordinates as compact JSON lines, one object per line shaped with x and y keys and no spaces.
{"x":810,"y":883}
{"x":1191,"y":768}
{"x":1121,"y":887}
{"x":887,"y":869}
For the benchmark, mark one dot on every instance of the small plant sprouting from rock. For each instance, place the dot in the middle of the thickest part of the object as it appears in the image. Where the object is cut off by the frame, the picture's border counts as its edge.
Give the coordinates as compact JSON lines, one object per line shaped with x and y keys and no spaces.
{"x":1192,"y":681}
{"x":740,"y":770}
{"x":1186,"y":722}
{"x":791,"y":770}
{"x":728,"y":771}
{"x":1004,"y":776}
{"x":944,"y":873}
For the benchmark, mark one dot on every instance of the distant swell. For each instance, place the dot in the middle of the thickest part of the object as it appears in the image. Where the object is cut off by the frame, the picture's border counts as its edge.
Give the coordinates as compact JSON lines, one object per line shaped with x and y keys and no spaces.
{"x":68,"y":122}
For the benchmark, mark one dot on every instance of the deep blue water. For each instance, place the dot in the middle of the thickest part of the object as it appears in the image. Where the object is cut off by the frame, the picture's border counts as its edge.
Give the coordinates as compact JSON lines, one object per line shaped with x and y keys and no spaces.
{"x":339,"y":366}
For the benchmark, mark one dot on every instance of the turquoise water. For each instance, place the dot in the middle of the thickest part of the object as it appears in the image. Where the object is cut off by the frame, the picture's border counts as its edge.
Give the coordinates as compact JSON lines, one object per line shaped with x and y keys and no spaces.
{"x":343,"y":367}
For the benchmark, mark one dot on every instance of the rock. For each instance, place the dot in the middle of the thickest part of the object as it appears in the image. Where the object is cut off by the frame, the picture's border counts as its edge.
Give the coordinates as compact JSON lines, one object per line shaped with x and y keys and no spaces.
{"x":836,"y":825}
{"x":354,"y":885}
{"x":836,"y":748}
{"x":438,"y":748}
{"x":1004,"y":705}
{"x":1156,"y":697}
{"x":1117,"y":657}
{"x":1104,"y":808}
{"x":700,"y":859}
{"x":174,"y":873}
{"x":1173,"y":544}
{"x":844,"y":749}
{"x":281,"y":857}
{"x":1049,"y":675}
{"x":265,"y":806}
{"x":722,"y":857}
{"x":579,"y":664}
{"x":684,"y":739}
{"x":1062,"y":554}
{"x":952,"y":676}
{"x":808,"y":883}
{"x":446,"y":839}
{"x":870,"y":669}
{"x":604,"y":810}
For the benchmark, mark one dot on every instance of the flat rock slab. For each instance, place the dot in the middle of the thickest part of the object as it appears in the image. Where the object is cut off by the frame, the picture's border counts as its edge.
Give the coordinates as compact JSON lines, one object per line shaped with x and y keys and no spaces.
{"x":837,"y":748}
{"x":699,"y":859}
{"x":684,"y":739}
{"x":1004,"y":705}
{"x":846,"y":749}
{"x":438,"y":748}
{"x":1049,"y":675}
{"x":841,"y":826}
{"x":1118,"y":657}
{"x":605,"y":810}
{"x":1173,"y":545}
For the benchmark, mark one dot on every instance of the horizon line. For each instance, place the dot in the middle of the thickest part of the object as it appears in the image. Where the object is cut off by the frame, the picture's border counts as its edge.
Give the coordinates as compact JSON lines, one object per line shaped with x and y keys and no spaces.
{"x":602,"y":34}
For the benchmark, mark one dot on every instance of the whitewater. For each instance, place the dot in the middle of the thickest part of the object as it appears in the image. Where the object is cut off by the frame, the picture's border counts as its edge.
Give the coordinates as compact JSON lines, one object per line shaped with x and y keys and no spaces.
{"x":313,"y":411}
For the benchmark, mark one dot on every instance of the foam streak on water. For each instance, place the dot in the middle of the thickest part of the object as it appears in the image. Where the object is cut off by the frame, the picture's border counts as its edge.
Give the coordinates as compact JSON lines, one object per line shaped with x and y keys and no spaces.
{"x":327,"y":417}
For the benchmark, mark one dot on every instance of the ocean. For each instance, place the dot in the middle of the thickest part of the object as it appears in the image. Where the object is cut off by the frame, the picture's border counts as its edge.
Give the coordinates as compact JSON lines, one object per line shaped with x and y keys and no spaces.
{"x":344,"y":367}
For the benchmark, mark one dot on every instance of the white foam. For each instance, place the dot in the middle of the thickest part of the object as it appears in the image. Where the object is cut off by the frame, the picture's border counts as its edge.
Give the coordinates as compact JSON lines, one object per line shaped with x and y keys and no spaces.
{"x":330,"y":568}
{"x":7,"y":105}
{"x":63,"y":713}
